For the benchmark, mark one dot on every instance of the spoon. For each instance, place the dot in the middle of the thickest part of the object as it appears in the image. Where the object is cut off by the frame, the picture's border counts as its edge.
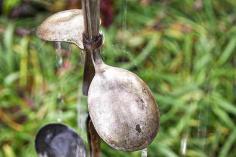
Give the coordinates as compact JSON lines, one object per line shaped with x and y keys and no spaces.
{"x":68,"y":26}
{"x":122,"y":107}
{"x":58,"y":140}
{"x":64,"y":26}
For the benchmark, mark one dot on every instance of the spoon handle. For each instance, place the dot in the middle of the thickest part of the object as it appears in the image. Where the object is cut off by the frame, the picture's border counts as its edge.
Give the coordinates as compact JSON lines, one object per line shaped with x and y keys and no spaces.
{"x":91,"y":12}
{"x":89,"y":72}
{"x":93,"y":139}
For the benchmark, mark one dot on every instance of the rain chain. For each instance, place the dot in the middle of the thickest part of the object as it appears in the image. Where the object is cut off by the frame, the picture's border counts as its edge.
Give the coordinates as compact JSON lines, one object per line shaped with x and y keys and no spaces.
{"x":122,"y":110}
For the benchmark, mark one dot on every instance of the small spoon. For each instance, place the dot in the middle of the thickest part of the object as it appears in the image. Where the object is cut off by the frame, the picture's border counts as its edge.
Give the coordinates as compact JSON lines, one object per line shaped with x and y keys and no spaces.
{"x":122,"y":107}
{"x":58,"y":140}
{"x":66,"y":26}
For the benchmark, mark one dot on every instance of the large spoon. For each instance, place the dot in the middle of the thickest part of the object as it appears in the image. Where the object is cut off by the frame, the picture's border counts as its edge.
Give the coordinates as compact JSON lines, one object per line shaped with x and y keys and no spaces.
{"x":58,"y":140}
{"x":122,"y":107}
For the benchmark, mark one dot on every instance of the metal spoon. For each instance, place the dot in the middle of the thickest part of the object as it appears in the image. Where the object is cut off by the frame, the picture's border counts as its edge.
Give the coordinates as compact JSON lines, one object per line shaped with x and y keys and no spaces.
{"x":58,"y":140}
{"x":67,"y":26}
{"x":122,"y":107}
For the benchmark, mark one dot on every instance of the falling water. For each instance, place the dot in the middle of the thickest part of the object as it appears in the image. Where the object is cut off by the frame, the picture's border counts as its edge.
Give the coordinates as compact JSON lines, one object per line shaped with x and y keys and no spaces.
{"x":183,"y":144}
{"x":58,"y":47}
{"x":60,"y":99}
{"x":144,"y":153}
{"x":60,"y":103}
{"x":124,"y":20}
{"x":82,"y":113}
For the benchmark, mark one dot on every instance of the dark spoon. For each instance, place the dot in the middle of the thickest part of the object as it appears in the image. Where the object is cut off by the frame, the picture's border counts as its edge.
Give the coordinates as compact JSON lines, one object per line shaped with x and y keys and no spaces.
{"x":58,"y":140}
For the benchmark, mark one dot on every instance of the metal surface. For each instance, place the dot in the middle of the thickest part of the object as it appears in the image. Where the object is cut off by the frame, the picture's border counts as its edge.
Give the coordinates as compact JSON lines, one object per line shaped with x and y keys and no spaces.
{"x":91,"y":11}
{"x":122,"y":108}
{"x":94,"y":139}
{"x":67,"y":26}
{"x":58,"y":140}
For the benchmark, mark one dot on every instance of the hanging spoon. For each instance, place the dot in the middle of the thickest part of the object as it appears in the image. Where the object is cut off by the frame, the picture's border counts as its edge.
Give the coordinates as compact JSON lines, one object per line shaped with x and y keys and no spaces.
{"x":122,"y":107}
{"x":64,"y":26}
{"x":58,"y":140}
{"x":68,"y":26}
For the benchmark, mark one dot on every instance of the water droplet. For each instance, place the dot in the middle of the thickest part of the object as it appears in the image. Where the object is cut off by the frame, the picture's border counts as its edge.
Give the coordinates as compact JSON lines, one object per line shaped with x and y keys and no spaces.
{"x":58,"y":47}
{"x":60,"y":102}
{"x":183,"y":145}
{"x":59,"y":120}
{"x":144,"y":152}
{"x":59,"y":116}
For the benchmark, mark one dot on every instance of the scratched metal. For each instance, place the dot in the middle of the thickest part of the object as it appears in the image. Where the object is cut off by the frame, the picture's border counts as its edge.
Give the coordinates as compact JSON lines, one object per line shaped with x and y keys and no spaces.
{"x":67,"y":26}
{"x":122,"y":108}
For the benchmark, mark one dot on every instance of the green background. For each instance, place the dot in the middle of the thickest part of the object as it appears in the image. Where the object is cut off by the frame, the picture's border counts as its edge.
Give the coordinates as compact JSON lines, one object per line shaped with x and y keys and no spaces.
{"x":183,"y":49}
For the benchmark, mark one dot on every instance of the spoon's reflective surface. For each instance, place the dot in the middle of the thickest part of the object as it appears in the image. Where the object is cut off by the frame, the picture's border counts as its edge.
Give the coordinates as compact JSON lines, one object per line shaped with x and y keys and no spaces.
{"x":58,"y":140}
{"x":122,"y":107}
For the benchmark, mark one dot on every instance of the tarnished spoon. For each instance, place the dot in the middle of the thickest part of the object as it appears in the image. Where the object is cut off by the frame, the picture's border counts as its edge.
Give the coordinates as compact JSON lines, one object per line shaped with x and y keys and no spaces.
{"x":122,"y":107}
{"x":58,"y":140}
{"x":65,"y":26}
{"x":68,"y":26}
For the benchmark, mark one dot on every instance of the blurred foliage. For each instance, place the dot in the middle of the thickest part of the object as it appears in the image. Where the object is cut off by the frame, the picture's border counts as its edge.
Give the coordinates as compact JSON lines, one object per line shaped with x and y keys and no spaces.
{"x":184,"y":50}
{"x":8,"y":5}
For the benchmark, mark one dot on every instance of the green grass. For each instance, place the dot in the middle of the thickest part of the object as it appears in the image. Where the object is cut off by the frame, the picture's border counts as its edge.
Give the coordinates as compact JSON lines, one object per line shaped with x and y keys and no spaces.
{"x":186,"y":56}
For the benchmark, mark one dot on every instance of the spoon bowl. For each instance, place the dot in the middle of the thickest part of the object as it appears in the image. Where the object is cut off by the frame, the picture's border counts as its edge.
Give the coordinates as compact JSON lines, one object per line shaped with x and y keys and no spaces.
{"x":122,"y":108}
{"x":64,"y":26}
{"x":58,"y":140}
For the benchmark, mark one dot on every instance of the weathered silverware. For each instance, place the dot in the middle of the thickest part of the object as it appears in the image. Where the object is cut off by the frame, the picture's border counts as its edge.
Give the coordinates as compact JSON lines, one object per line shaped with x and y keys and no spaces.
{"x":67,"y":26}
{"x":122,"y":107}
{"x":58,"y":140}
